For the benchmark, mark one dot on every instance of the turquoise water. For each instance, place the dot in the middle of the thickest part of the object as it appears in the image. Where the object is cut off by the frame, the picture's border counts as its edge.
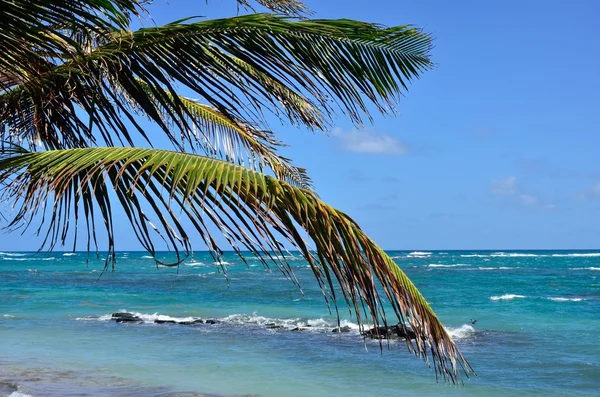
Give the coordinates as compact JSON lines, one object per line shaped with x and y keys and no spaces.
{"x":537,"y":330}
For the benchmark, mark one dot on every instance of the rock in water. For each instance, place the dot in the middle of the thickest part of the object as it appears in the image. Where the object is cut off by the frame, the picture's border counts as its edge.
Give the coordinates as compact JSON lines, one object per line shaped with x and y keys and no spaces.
{"x":165,"y":322}
{"x":126,"y":318}
{"x":395,"y":331}
{"x":197,"y":321}
{"x":345,"y":328}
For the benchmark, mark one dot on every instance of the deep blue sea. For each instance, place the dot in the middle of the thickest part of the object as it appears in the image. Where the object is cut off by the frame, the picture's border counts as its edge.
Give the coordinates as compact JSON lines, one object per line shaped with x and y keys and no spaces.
{"x":537,"y":331}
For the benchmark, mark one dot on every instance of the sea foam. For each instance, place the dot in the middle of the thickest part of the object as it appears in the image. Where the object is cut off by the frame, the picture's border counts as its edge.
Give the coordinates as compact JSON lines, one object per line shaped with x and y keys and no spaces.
{"x":560,"y":299}
{"x":462,"y":332}
{"x":506,"y":297}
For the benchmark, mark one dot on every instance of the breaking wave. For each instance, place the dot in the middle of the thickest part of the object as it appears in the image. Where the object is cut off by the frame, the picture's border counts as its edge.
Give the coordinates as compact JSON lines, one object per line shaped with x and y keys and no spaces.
{"x":561,"y":299}
{"x":506,"y":297}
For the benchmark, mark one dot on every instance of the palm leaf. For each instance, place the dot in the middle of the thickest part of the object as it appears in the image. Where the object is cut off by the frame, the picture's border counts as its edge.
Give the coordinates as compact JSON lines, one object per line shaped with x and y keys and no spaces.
{"x":288,"y":7}
{"x":234,"y":140}
{"x":237,"y":65}
{"x":248,"y":207}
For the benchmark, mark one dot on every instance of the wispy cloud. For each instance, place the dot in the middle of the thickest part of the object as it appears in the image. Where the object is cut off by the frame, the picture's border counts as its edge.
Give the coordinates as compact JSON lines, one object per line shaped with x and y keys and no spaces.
{"x":370,"y":142}
{"x":509,"y":188}
{"x":591,"y":193}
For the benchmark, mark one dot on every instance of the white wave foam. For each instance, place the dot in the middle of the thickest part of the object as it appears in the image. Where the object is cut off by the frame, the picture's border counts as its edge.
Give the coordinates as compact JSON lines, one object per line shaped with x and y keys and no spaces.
{"x":11,"y":254}
{"x":585,"y":268}
{"x":419,"y":253}
{"x":497,"y":268}
{"x":307,"y":324}
{"x":69,"y":253}
{"x":221,"y":263}
{"x":145,"y":317}
{"x":147,"y":257}
{"x":591,"y":254}
{"x":507,"y":297}
{"x":474,"y":256}
{"x":28,"y":259}
{"x":19,"y":394}
{"x":195,"y":264}
{"x":440,"y":265}
{"x":514,"y":255}
{"x":462,"y":332}
{"x":7,"y":315}
{"x":560,"y":299}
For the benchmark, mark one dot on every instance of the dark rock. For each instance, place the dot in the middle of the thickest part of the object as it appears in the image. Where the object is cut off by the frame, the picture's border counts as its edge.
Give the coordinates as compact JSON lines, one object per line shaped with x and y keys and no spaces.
{"x":212,"y":321}
{"x":345,"y":328}
{"x":393,"y":332}
{"x":296,"y":329}
{"x":275,"y":326}
{"x":197,"y":321}
{"x":126,"y":318}
{"x":165,"y":322}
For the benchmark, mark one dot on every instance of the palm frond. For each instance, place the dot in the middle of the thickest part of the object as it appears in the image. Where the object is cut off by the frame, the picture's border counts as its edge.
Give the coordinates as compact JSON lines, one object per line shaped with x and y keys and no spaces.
{"x":226,"y":137}
{"x":288,"y":7}
{"x":249,"y":208}
{"x":26,"y":26}
{"x":240,"y":66}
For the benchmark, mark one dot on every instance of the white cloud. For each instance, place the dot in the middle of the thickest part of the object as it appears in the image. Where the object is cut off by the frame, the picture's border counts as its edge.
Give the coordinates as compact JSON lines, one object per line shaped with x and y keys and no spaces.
{"x":506,"y":186}
{"x":509,"y":187}
{"x":370,"y":142}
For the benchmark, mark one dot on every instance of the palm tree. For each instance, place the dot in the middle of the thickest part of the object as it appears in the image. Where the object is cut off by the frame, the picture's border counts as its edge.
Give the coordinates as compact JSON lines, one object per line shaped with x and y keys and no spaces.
{"x":74,"y":77}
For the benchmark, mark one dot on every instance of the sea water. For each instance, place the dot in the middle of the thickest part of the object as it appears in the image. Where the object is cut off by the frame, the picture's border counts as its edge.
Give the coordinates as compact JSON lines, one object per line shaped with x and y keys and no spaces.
{"x":537,"y":328}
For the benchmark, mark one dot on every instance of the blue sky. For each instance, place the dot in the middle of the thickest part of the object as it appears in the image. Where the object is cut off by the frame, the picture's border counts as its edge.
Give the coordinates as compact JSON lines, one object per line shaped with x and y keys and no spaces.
{"x":494,"y":149}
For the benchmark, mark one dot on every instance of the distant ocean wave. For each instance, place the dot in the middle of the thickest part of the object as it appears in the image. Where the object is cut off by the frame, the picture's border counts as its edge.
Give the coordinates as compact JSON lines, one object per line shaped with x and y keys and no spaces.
{"x":419,"y":253}
{"x":576,"y":255}
{"x":442,"y":265}
{"x":506,"y":297}
{"x":11,"y":254}
{"x":69,"y":253}
{"x":585,"y":268}
{"x":28,"y":259}
{"x":497,"y":268}
{"x":561,"y":299}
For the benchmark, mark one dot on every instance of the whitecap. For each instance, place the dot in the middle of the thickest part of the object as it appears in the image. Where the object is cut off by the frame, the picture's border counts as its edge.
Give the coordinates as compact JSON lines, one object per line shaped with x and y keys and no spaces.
{"x":221,"y":263}
{"x":7,"y":315}
{"x":462,"y":332}
{"x":69,"y":253}
{"x":575,"y":255}
{"x":19,"y":394}
{"x":507,"y":297}
{"x":497,"y":268}
{"x":585,"y":268}
{"x":474,"y":256}
{"x":29,"y":259}
{"x":195,"y":264}
{"x":419,"y":253}
{"x":11,"y":254}
{"x":561,"y":299}
{"x":147,"y":257}
{"x":440,"y":265}
{"x":514,"y":255}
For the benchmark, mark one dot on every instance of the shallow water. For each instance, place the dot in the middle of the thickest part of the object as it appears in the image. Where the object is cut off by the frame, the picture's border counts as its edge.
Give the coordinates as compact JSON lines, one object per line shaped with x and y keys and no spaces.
{"x":536,"y":331}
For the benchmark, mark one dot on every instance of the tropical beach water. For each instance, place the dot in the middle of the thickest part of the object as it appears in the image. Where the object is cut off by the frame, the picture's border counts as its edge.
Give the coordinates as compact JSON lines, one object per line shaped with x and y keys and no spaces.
{"x":536,"y":331}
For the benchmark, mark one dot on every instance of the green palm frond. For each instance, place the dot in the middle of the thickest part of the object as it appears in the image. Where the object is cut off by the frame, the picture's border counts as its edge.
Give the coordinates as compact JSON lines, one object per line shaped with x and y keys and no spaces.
{"x":26,"y":26}
{"x":236,"y":65}
{"x":248,"y":207}
{"x":226,"y":137}
{"x":288,"y":7}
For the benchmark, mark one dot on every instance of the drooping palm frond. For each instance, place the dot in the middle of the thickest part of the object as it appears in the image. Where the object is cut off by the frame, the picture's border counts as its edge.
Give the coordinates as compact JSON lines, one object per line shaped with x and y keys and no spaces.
{"x":237,"y":65}
{"x":249,"y":208}
{"x":33,"y":27}
{"x":288,"y":7}
{"x":226,"y":137}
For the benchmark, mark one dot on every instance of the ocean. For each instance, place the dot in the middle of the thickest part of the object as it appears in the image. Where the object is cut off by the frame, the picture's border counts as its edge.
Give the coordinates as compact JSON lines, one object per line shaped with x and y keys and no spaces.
{"x":527,"y":321}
